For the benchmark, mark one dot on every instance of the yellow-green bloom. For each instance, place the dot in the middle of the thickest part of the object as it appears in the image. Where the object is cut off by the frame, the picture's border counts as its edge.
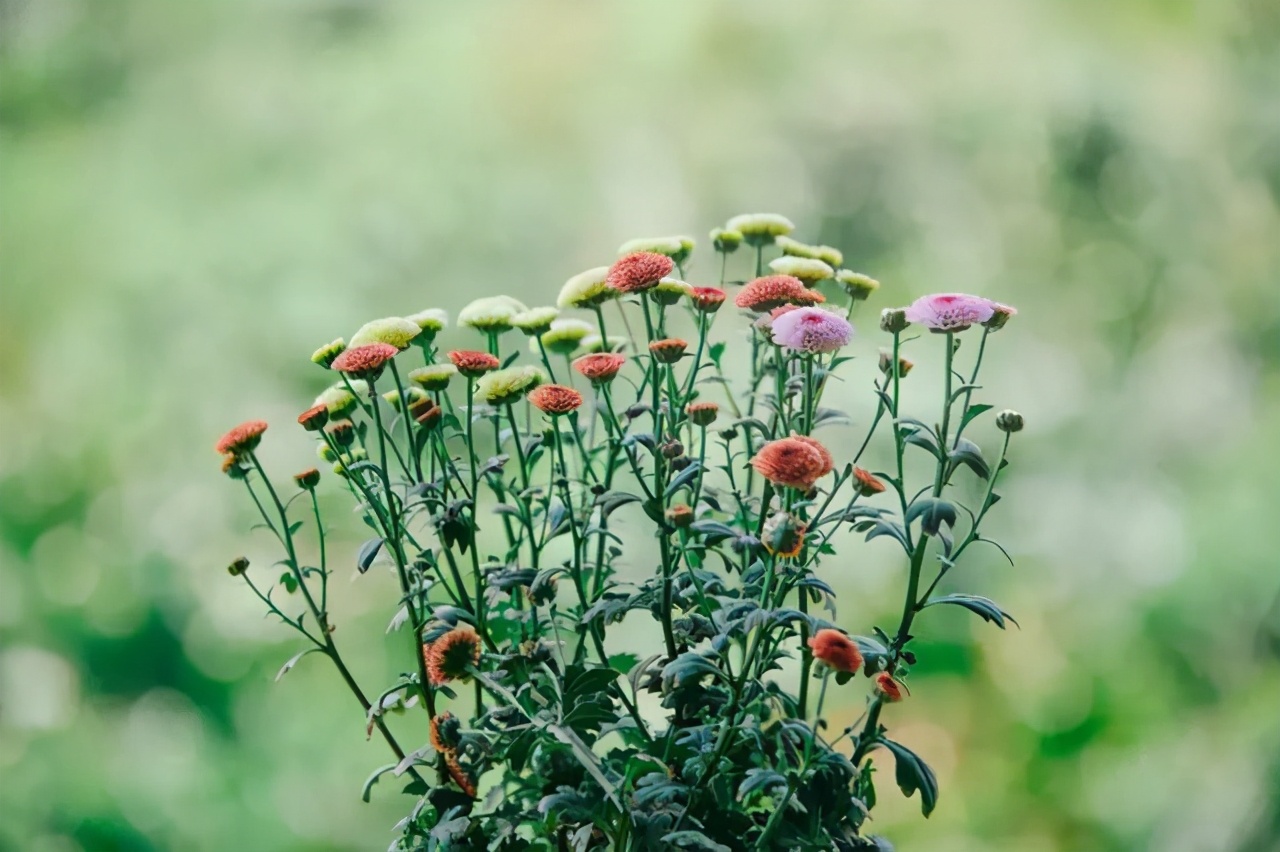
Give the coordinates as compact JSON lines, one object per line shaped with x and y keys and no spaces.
{"x":726,"y":240}
{"x":491,"y":314}
{"x":677,"y":248}
{"x":760,"y":229}
{"x":502,"y":387}
{"x":587,"y":289}
{"x":326,"y":453}
{"x":352,"y":457}
{"x":832,"y":257}
{"x":668,"y":291}
{"x":565,"y":335}
{"x":594,"y":343}
{"x":807,"y":269}
{"x":857,"y":285}
{"x":338,"y":400}
{"x":432,"y":321}
{"x":433,"y":377}
{"x":535,"y":320}
{"x":394,"y":331}
{"x":413,"y":394}
{"x":325,"y":355}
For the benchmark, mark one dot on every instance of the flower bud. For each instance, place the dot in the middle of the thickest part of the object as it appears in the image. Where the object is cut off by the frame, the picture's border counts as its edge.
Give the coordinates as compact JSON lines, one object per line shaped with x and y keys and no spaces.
{"x":326,"y":453}
{"x":680,"y":516}
{"x":231,"y":467}
{"x":1009,"y":421}
{"x":886,"y":364}
{"x":314,"y":418}
{"x":672,"y":449}
{"x":702,"y":413}
{"x":893,"y":320}
{"x":1000,"y":315}
{"x":726,"y":241}
{"x":308,"y":479}
{"x":238,"y":567}
{"x":669,"y":350}
{"x":428,"y":415}
{"x":343,"y":433}
{"x":325,"y":354}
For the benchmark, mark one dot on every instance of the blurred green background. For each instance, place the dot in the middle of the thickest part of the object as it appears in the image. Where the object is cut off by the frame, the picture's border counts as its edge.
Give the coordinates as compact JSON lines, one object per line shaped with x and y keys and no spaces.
{"x":196,"y":194}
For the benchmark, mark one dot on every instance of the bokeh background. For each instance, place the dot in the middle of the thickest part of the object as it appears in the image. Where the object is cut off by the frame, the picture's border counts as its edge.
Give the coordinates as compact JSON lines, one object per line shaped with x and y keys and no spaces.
{"x":195,"y":195}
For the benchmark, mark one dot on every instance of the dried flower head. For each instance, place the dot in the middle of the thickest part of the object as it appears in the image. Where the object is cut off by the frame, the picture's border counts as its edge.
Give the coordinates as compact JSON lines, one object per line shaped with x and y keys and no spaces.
{"x":241,"y":440}
{"x":702,"y":413}
{"x":680,"y":515}
{"x":491,"y":313}
{"x":669,"y":350}
{"x":600,"y":368}
{"x":393,"y":331}
{"x":893,"y":320}
{"x":1000,"y":317}
{"x":427,"y":415}
{"x":639,"y":271}
{"x":565,"y":335}
{"x":595,"y":343}
{"x":432,"y":321}
{"x":811,"y":330}
{"x":866,"y":483}
{"x":836,"y":650}
{"x":857,"y":285}
{"x":535,"y":320}
{"x":587,"y":289}
{"x":774,"y":291}
{"x":325,"y":354}
{"x":889,"y":688}
{"x":783,"y":535}
{"x":555,"y":399}
{"x":343,"y":432}
{"x":233,"y":467}
{"x":808,"y":269}
{"x":677,"y":248}
{"x":452,"y":655}
{"x":433,"y":377}
{"x":314,"y":418}
{"x":950,"y":312}
{"x":794,"y":462}
{"x":725,"y":240}
{"x":445,"y":734}
{"x":668,"y":291}
{"x":471,"y":363}
{"x":503,"y":387}
{"x":760,"y":229}
{"x":307,"y":479}
{"x":886,"y":364}
{"x":412,"y":394}
{"x":708,"y":299}
{"x":365,"y":362}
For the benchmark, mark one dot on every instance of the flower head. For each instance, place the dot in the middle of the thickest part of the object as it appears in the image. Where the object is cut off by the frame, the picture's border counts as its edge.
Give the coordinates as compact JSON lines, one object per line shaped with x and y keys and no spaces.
{"x":702,"y":413}
{"x":339,"y":399}
{"x":241,"y":440}
{"x":445,"y":733}
{"x":427,"y":415}
{"x":595,"y":343}
{"x":886,"y":364}
{"x":889,"y":688}
{"x":795,"y":462}
{"x":432,"y":321}
{"x":587,"y":289}
{"x":433,"y":377}
{"x":325,"y":354}
{"x":866,"y":483}
{"x":836,"y":650}
{"x":314,"y":418}
{"x":471,"y":363}
{"x":460,"y":775}
{"x":412,"y":395}
{"x":639,"y":271}
{"x":450,"y":656}
{"x":856,"y":284}
{"x":725,"y":240}
{"x":307,"y":479}
{"x":668,"y":291}
{"x":344,"y":463}
{"x":1009,"y":421}
{"x":565,"y":335}
{"x":811,"y":330}
{"x":708,"y":299}
{"x":783,"y":535}
{"x":491,"y":313}
{"x":774,"y":291}
{"x":677,"y":248}
{"x":760,"y":229}
{"x":601,"y":367}
{"x":669,"y":350}
{"x":343,"y":432}
{"x":893,"y":320}
{"x":233,"y":468}
{"x":680,"y":515}
{"x":535,"y":320}
{"x":808,"y":269}
{"x":503,"y":387}
{"x":943,"y":312}
{"x":555,"y":399}
{"x":239,"y":566}
{"x":1001,"y":316}
{"x":393,"y":331}
{"x":365,"y":362}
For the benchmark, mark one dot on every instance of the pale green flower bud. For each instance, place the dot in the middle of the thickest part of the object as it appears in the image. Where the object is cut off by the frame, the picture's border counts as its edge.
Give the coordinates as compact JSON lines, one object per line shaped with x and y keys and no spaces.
{"x":535,"y":320}
{"x":432,"y":321}
{"x":893,"y":320}
{"x":594,"y":343}
{"x":587,"y":289}
{"x":565,"y":335}
{"x":672,"y":247}
{"x":355,"y":456}
{"x":412,"y":393}
{"x":1009,"y":421}
{"x":668,"y":291}
{"x":795,"y":248}
{"x":856,"y":284}
{"x":807,"y":269}
{"x":725,"y":241}
{"x":393,"y":331}
{"x":325,"y":355}
{"x":491,"y":314}
{"x":760,"y":229}
{"x":339,"y":400}
{"x":433,"y":377}
{"x":502,"y":387}
{"x":326,"y":453}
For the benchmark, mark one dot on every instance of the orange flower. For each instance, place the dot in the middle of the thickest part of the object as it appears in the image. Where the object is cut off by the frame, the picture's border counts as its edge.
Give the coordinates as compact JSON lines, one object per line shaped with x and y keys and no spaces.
{"x":600,"y":367}
{"x":828,"y":463}
{"x":708,"y":299}
{"x":670,"y":350}
{"x":555,"y":399}
{"x":783,"y":535}
{"x":450,"y":655}
{"x":702,"y":413}
{"x":639,"y":271}
{"x":865,"y":483}
{"x":836,"y":650}
{"x":471,"y":363}
{"x":460,"y":775}
{"x":774,"y":291}
{"x":242,"y":439}
{"x":792,"y":462}
{"x":314,"y":418}
{"x":365,"y":362}
{"x":307,"y":479}
{"x":444,"y":733}
{"x":680,"y":515}
{"x":890,"y":689}
{"x":427,"y":414}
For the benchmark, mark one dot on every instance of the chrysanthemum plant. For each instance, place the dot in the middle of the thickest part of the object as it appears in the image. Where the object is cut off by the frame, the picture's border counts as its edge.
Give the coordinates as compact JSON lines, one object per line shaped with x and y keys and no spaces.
{"x":611,"y":560}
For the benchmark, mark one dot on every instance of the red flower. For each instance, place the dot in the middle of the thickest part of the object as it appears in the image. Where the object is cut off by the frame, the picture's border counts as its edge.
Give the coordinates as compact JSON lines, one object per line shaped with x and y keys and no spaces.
{"x":792,"y":462}
{"x":444,"y":733}
{"x":865,"y":483}
{"x":828,"y":463}
{"x":600,"y":367}
{"x":670,"y":350}
{"x":774,"y":291}
{"x":708,"y":299}
{"x":314,"y":418}
{"x":242,"y":439}
{"x":555,"y":399}
{"x":889,"y":688}
{"x":702,"y":413}
{"x":836,"y":650}
{"x":638,"y":271}
{"x":449,"y":656}
{"x":471,"y":363}
{"x":365,"y":362}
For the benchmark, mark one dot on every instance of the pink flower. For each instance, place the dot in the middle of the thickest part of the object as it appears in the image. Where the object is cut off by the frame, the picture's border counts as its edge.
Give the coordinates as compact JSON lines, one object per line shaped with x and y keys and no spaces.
{"x":811,"y":330}
{"x":950,"y":311}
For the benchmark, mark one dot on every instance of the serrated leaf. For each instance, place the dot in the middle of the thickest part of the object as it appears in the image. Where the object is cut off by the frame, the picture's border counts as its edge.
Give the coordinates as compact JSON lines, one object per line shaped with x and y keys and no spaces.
{"x":373,"y":779}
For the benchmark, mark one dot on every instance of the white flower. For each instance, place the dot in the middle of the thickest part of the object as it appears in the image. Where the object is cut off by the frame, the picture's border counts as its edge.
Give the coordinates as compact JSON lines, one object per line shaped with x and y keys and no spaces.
{"x":807,"y":269}
{"x":535,"y":320}
{"x":565,"y":335}
{"x":760,"y":229}
{"x":394,"y":331}
{"x":587,"y":289}
{"x":433,"y":320}
{"x":502,"y":387}
{"x":491,"y":313}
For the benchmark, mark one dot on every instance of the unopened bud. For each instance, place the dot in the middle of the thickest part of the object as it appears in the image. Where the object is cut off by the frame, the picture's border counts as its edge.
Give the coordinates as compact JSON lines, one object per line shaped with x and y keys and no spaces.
{"x":238,"y":567}
{"x":680,"y":516}
{"x":886,"y":364}
{"x":343,"y":433}
{"x":672,"y":449}
{"x":1009,"y":421}
{"x":308,"y":479}
{"x":893,"y":320}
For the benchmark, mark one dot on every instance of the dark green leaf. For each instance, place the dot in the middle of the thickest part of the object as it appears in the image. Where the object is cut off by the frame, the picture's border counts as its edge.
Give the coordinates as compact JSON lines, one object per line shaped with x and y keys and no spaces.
{"x":976,"y":604}
{"x":913,"y":774}
{"x":969,"y":454}
{"x":933,"y":512}
{"x":689,"y":839}
{"x":683,"y":478}
{"x":973,"y":412}
{"x":367,"y":553}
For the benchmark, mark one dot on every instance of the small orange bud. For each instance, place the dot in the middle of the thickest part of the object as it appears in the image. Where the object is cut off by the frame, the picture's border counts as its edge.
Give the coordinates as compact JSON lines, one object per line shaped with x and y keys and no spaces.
{"x":836,"y":650}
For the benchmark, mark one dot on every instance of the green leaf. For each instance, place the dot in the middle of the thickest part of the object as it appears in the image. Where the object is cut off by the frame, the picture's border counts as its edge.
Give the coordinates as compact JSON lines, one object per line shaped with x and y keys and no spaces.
{"x":683,"y":478}
{"x":933,"y":512}
{"x":913,"y":774}
{"x":968,"y":453}
{"x":976,"y":604}
{"x":759,"y":780}
{"x":612,"y":500}
{"x":293,"y":661}
{"x":689,"y":839}
{"x":973,"y":413}
{"x":373,"y":779}
{"x":367,"y":553}
{"x":892,"y":529}
{"x":716,"y":351}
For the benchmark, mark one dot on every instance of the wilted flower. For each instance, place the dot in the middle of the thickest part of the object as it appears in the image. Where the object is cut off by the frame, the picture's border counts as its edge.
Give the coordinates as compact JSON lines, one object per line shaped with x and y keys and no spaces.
{"x":944,"y":312}
{"x":565,"y":335}
{"x":669,"y":350}
{"x":680,"y":515}
{"x":889,"y":689}
{"x":433,"y":377}
{"x":1009,"y":421}
{"x":393,"y":331}
{"x":427,"y":415}
{"x":639,"y":271}
{"x":702,"y":413}
{"x":451,"y":656}
{"x":807,"y":269}
{"x":811,"y":330}
{"x":668,"y":291}
{"x":760,"y":229}
{"x":242,"y":439}
{"x":491,"y":313}
{"x":232,"y":467}
{"x":795,"y":462}
{"x":506,"y":386}
{"x":432,"y":321}
{"x":836,"y":650}
{"x":725,"y":240}
{"x":412,"y":394}
{"x":893,"y":320}
{"x":783,"y":535}
{"x":1001,"y":316}
{"x":856,"y":284}
{"x":774,"y":291}
{"x":707,"y":299}
{"x":471,"y":363}
{"x":595,"y":343}
{"x":865,"y":483}
{"x":677,"y":248}
{"x":325,"y":354}
{"x":307,"y":479}
{"x":600,"y":368}
{"x":314,"y":418}
{"x":886,"y":364}
{"x":555,"y":399}
{"x":535,"y":320}
{"x":365,"y":362}
{"x":587,"y":289}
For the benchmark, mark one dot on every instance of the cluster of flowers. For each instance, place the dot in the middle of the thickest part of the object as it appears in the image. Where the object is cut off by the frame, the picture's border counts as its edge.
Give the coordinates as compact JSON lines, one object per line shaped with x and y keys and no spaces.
{"x":498,"y":490}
